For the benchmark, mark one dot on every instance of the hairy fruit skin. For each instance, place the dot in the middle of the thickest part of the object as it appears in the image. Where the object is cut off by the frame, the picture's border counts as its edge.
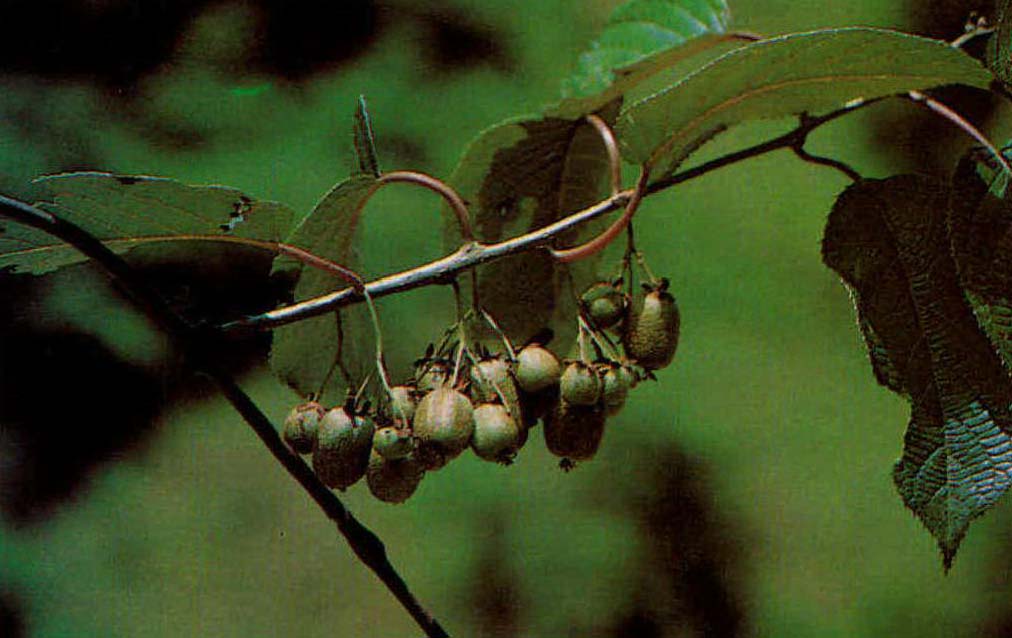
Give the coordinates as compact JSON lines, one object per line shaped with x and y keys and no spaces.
{"x":444,"y":421}
{"x":393,"y":480}
{"x":604,"y":304}
{"x":341,"y":451}
{"x":574,"y":432}
{"x":536,"y":368}
{"x":299,"y":430}
{"x":651,"y":331}
{"x":614,"y":389}
{"x":491,"y":382}
{"x":392,"y":443}
{"x":580,"y":384}
{"x":402,"y":403}
{"x":496,"y":433}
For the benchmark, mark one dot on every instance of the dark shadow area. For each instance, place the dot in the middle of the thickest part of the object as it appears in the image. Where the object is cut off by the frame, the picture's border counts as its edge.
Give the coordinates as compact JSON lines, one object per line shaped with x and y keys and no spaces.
{"x":691,"y":572}
{"x":12,"y":624}
{"x":68,"y":403}
{"x":917,"y":137}
{"x":495,"y":592}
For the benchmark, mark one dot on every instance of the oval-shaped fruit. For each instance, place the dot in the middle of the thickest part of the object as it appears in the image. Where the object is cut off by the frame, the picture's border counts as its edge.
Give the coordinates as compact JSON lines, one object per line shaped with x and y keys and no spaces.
{"x":393,"y":480}
{"x":574,"y":431}
{"x":402,"y":403}
{"x":580,"y":384}
{"x":341,"y":451}
{"x":651,"y":331}
{"x":614,"y":389}
{"x":444,"y":421}
{"x":393,"y":443}
{"x":496,"y":433}
{"x":300,"y":426}
{"x":605,"y":304}
{"x":536,"y":368}
{"x":491,"y":382}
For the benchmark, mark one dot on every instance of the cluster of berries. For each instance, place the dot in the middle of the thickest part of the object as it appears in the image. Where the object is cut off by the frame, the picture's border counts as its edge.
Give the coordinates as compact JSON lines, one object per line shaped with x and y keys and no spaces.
{"x":490,"y":402}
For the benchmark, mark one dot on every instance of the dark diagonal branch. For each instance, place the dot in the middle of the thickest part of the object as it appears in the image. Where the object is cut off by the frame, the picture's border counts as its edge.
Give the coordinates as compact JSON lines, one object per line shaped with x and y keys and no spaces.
{"x":201,"y":349}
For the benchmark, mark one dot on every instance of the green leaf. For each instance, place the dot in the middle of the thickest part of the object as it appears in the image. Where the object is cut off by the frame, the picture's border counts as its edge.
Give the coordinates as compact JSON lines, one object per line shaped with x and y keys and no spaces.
{"x":365,"y":141}
{"x":783,"y":76}
{"x":980,"y":223}
{"x":999,"y":48}
{"x":642,"y":38}
{"x":304,"y":354}
{"x":888,"y":241}
{"x":520,"y":176}
{"x":131,"y":211}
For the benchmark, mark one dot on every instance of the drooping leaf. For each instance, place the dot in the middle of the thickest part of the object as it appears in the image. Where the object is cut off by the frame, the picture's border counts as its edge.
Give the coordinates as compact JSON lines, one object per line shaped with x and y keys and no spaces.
{"x":642,"y":38}
{"x":980,"y":223}
{"x":788,"y":75}
{"x":132,"y":211}
{"x":999,"y":49}
{"x":888,"y":241}
{"x":365,"y":141}
{"x":304,"y":355}
{"x":520,"y":176}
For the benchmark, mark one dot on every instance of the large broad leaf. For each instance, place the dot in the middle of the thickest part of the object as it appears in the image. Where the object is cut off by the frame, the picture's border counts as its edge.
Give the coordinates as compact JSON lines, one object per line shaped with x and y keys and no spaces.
{"x":888,"y":241}
{"x":980,"y":223}
{"x":132,"y":211}
{"x":783,"y":76}
{"x":518,"y":177}
{"x":642,"y":38}
{"x":326,"y":354}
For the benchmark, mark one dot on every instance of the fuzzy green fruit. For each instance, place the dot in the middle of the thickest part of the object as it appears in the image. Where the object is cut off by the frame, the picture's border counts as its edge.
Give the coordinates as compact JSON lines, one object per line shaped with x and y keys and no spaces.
{"x":299,"y":430}
{"x":536,"y":368}
{"x":496,"y":433}
{"x":444,"y":422}
{"x":491,"y":382}
{"x":580,"y":384}
{"x":402,"y":403}
{"x":614,"y":389}
{"x":341,"y":451}
{"x":574,"y":432}
{"x":393,"y":480}
{"x":604,"y":304}
{"x":651,"y":331}
{"x":393,"y":443}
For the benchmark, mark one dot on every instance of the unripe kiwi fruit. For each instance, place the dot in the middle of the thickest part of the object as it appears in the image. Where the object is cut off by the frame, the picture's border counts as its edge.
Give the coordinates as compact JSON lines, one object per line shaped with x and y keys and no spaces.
{"x":491,"y":382}
{"x":341,"y":450}
{"x":580,"y":384}
{"x":393,"y":480}
{"x":651,"y":330}
{"x":402,"y":403}
{"x":604,"y":304}
{"x":574,"y":431}
{"x":444,"y":421}
{"x":299,"y":430}
{"x":496,"y":433}
{"x":614,"y":388}
{"x":536,"y":368}
{"x":393,"y":443}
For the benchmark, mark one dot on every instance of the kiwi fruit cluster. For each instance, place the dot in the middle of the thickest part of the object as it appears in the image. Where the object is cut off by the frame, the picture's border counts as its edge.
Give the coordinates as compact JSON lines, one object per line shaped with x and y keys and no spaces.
{"x":489,"y":401}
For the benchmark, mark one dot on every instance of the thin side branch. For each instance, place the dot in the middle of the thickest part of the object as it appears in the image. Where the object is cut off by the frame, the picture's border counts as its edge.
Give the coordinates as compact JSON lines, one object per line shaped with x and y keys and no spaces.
{"x":938,"y":108}
{"x":435,"y":185}
{"x":202,"y":350}
{"x":611,"y":146}
{"x":473,"y":253}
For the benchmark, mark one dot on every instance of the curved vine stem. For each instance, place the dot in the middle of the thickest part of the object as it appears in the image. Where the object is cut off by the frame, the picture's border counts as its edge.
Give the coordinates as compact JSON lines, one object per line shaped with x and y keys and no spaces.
{"x":202,"y":350}
{"x":940,"y":109}
{"x":472,"y":254}
{"x":608,"y":235}
{"x":611,"y":147}
{"x":435,"y":185}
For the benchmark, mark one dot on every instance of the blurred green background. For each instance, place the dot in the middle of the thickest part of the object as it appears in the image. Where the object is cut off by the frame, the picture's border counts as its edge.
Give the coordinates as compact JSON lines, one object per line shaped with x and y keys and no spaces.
{"x":748,"y":492}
